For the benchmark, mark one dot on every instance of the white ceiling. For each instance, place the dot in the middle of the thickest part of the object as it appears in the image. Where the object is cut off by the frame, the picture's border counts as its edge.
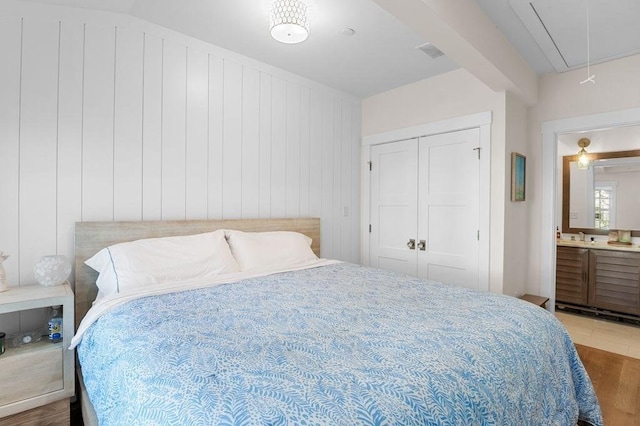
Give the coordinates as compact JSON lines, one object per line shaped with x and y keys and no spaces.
{"x":383,"y":53}
{"x":551,"y":35}
{"x":603,"y":140}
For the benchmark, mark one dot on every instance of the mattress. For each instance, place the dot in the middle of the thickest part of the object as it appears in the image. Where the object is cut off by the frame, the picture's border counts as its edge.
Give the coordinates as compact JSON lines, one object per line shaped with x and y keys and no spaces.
{"x":337,"y":344}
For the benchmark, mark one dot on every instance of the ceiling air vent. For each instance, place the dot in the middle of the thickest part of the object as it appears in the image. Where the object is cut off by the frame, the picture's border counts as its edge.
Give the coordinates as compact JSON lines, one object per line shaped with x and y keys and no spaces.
{"x":431,"y":50}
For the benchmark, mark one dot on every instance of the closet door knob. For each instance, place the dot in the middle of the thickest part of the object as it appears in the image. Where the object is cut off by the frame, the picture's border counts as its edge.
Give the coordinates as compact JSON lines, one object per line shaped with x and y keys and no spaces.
{"x":411,"y":244}
{"x":422,"y":245}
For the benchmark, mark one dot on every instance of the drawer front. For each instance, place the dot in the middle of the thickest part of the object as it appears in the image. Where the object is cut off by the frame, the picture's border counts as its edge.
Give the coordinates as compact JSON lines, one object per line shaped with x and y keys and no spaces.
{"x":30,"y":371}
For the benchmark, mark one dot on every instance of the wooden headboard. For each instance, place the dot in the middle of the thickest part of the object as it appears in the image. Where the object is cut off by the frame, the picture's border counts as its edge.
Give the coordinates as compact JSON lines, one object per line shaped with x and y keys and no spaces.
{"x":91,"y":237}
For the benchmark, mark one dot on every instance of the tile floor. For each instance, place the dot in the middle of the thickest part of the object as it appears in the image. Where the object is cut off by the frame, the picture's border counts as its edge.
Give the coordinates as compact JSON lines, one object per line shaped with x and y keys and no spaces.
{"x":597,"y":333}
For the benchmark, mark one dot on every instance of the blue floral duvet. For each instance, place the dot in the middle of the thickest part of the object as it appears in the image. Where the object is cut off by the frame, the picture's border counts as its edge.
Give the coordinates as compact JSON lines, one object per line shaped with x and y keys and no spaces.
{"x":334,"y":345}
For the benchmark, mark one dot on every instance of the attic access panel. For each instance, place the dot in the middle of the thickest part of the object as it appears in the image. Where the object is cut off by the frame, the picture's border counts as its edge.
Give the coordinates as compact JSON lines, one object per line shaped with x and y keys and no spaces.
{"x":560,"y":29}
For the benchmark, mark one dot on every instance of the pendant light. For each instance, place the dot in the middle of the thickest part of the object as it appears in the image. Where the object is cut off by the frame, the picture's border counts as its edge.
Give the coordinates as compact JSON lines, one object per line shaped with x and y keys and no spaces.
{"x":583,"y":155}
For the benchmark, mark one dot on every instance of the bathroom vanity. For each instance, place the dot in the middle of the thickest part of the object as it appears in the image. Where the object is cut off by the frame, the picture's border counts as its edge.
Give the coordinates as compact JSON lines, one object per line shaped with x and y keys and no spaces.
{"x":598,"y":277}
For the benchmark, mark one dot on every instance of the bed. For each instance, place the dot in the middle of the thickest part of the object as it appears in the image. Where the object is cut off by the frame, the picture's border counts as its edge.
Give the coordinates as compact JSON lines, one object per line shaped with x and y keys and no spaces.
{"x":321,"y":343}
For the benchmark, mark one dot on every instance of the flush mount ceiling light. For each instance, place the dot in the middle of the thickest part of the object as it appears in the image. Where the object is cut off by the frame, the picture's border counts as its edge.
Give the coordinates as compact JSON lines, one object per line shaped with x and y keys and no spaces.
{"x":289,"y":21}
{"x":583,"y":155}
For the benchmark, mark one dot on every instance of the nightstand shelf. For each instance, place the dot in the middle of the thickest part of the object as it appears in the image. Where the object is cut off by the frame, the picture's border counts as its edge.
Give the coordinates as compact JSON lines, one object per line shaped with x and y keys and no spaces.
{"x":41,"y":373}
{"x":536,"y":300}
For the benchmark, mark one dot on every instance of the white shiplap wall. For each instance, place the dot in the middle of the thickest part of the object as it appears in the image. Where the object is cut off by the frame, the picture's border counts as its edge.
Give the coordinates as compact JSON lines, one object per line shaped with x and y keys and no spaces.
{"x":101,"y":121}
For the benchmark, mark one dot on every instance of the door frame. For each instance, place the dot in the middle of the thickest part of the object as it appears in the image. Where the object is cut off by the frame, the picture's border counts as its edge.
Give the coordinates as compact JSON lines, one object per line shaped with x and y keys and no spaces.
{"x":481,"y":121}
{"x":551,"y":167}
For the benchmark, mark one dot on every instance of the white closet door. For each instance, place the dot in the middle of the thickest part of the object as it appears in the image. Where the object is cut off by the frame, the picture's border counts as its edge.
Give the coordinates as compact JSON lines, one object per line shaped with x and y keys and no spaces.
{"x":448,"y":211}
{"x":394,"y":196}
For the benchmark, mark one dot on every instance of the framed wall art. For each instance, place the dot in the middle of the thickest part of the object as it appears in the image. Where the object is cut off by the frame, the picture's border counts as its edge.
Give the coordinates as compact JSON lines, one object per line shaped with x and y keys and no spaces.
{"x":518,"y":176}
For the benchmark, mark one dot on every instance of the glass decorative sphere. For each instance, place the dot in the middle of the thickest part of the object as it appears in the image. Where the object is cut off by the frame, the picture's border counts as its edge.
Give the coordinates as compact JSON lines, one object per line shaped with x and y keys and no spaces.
{"x":52,"y":270}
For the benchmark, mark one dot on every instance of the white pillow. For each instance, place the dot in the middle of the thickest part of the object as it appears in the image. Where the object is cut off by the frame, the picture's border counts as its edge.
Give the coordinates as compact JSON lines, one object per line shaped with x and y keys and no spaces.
{"x":256,"y":251}
{"x":146,"y":262}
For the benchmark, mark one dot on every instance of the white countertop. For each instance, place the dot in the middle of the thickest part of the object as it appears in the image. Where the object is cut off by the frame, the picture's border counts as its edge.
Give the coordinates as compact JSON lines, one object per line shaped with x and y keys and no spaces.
{"x":597,"y":245}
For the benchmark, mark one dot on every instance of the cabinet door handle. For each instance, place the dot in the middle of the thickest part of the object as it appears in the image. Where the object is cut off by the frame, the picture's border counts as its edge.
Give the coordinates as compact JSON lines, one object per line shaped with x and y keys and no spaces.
{"x":422,"y":245}
{"x":411,"y":244}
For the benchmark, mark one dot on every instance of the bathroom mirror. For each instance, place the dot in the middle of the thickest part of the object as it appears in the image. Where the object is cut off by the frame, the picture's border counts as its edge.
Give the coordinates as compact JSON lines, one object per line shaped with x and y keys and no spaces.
{"x":603,"y":197}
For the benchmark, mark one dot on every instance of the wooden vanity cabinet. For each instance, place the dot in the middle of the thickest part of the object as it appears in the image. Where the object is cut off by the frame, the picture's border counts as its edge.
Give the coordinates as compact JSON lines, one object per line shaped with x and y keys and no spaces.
{"x":614,"y":281}
{"x":572,"y":275}
{"x":599,"y":279}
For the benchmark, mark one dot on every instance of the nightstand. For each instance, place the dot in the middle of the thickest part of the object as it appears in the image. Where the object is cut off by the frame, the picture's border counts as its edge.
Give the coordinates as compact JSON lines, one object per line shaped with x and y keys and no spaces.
{"x":536,"y":300}
{"x":38,"y":377}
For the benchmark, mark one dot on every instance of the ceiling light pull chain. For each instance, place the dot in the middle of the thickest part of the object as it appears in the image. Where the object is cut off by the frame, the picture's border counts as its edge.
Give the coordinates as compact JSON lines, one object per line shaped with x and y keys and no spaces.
{"x":590,"y":77}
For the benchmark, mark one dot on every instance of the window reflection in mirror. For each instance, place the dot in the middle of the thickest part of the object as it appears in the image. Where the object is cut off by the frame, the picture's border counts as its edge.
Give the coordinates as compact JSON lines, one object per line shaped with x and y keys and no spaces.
{"x":604,"y":215}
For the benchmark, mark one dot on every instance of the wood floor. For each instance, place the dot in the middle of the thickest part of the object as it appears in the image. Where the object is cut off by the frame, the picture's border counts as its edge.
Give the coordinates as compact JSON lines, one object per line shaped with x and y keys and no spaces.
{"x":616,"y":379}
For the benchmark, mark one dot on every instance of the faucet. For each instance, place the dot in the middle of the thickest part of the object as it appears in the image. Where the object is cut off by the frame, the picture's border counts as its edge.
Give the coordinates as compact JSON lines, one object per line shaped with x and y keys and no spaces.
{"x":581,"y":236}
